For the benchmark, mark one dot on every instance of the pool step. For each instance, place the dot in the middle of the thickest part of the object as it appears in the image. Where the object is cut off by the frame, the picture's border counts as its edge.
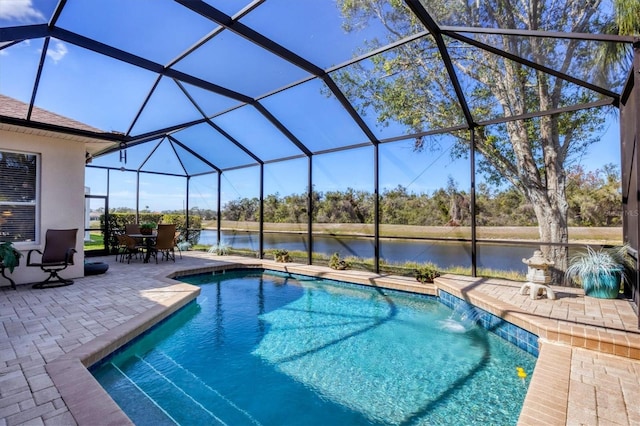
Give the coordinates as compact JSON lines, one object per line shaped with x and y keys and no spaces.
{"x":224,"y":407}
{"x":177,"y":406}
{"x":185,"y":397}
{"x":134,"y":401}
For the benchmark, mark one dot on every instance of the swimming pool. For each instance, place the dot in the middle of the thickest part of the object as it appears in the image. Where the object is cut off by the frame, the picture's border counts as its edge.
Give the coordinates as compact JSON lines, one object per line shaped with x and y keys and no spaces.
{"x":271,"y":349}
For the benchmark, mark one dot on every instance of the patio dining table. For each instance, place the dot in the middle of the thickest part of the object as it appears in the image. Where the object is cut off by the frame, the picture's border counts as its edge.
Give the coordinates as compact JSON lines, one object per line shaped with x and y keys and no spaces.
{"x":149,"y":242}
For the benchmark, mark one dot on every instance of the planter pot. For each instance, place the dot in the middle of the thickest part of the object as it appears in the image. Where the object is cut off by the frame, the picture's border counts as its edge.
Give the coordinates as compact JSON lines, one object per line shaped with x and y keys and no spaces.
{"x":95,"y":268}
{"x":602,"y":285}
{"x":146,"y":231}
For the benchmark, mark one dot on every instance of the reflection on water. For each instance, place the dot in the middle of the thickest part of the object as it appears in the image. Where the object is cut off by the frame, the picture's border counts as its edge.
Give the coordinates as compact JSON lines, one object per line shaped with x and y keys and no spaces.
{"x":443,"y":254}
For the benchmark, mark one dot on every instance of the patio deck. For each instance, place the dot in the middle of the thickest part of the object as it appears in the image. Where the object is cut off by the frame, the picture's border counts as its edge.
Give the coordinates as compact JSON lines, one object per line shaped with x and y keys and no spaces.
{"x":588,"y":371}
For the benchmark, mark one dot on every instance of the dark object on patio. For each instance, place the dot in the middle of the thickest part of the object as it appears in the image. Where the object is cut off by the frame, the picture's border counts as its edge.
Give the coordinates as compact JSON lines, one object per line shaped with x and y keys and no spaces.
{"x":95,"y":268}
{"x":59,"y":247}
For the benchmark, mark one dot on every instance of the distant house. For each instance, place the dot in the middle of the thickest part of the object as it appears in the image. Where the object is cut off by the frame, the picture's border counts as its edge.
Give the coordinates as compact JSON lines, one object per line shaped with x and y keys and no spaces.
{"x":42,"y":186}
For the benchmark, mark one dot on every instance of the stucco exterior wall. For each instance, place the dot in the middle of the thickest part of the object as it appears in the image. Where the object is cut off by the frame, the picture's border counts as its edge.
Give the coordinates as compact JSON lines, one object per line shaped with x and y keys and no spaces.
{"x":61,"y":197}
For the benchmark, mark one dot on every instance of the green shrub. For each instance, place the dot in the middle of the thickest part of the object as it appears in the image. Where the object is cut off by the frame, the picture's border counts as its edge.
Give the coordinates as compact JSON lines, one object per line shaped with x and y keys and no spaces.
{"x":281,"y":255}
{"x":336,"y":263}
{"x":427,"y":273}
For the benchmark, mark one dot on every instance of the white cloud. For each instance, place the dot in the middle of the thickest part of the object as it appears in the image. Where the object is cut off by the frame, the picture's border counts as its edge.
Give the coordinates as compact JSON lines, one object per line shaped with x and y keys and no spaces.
{"x":57,"y":52}
{"x":5,"y":52}
{"x":20,"y":10}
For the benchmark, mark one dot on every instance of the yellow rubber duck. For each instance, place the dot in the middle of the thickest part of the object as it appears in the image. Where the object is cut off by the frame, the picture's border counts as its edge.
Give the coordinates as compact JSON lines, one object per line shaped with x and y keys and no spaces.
{"x":521,"y":373}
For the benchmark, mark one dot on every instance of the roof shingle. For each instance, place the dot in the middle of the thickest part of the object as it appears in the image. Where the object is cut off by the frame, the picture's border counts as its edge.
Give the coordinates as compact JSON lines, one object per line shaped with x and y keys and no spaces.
{"x":10,"y":107}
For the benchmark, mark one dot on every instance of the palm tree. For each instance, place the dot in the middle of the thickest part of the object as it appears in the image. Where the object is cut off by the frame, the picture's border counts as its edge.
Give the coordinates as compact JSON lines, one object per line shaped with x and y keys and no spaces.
{"x":627,"y":17}
{"x":627,"y":22}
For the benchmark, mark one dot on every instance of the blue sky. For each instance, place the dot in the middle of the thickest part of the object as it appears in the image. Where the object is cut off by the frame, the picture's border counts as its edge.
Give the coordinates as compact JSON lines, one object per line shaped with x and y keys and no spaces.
{"x":313,"y":31}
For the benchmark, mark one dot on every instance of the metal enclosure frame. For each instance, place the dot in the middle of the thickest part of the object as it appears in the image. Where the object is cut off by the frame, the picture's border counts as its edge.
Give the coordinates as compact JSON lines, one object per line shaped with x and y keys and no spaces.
{"x":628,"y":103}
{"x":629,"y":140}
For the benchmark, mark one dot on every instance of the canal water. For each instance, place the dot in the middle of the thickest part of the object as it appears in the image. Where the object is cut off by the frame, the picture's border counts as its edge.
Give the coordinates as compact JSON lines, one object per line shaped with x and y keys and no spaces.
{"x":443,"y":254}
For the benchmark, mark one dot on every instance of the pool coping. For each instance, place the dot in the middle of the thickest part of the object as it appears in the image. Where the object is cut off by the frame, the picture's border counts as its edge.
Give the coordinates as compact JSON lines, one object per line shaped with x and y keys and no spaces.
{"x":609,"y":341}
{"x":89,"y":403}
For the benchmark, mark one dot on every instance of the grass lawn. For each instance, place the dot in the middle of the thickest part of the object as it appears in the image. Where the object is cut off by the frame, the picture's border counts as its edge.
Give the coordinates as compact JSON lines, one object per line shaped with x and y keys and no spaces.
{"x":97,"y":241}
{"x":591,"y":235}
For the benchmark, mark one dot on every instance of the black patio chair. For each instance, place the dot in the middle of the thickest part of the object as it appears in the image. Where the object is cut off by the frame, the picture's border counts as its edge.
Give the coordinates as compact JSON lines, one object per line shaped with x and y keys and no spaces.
{"x":59,"y":247}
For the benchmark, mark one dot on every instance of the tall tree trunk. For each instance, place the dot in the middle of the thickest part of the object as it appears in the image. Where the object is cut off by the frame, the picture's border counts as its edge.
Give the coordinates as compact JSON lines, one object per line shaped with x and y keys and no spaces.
{"x":544,"y":187}
{"x":552,"y":227}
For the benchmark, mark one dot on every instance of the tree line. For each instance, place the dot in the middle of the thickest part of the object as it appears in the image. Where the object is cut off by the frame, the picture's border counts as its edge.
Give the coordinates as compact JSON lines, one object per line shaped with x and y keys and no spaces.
{"x":594,"y":200}
{"x":593,"y":196}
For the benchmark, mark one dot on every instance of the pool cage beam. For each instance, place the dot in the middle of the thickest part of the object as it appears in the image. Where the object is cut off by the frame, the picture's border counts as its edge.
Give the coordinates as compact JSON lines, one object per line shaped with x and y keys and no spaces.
{"x":376,"y":207}
{"x":137,"y":196}
{"x":36,"y":84}
{"x":472,"y":194}
{"x":425,"y":18}
{"x":219,"y":213}
{"x":310,"y":207}
{"x":186,"y":209}
{"x":232,"y":23}
{"x":536,"y":66}
{"x":143,"y":105}
{"x":192,"y":152}
{"x":260,"y":40}
{"x":261,"y":214}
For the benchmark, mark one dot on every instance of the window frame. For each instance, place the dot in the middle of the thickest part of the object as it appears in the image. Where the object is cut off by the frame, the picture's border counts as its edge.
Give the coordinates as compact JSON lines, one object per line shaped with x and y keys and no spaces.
{"x":36,"y":202}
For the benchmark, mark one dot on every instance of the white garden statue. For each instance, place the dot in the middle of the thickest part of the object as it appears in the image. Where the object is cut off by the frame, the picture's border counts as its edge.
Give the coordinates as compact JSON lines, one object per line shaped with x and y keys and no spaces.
{"x":538,"y":276}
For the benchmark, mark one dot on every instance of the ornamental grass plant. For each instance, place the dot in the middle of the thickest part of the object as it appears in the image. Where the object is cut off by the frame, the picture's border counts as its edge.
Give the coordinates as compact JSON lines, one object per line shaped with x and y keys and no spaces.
{"x":600,"y":272}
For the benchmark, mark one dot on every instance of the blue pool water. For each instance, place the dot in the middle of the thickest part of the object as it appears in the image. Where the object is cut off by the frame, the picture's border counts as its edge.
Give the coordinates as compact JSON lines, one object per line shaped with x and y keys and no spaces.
{"x":267,"y":349}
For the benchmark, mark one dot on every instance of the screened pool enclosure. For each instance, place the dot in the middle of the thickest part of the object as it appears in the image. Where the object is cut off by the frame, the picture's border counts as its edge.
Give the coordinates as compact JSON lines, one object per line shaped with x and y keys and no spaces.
{"x":415,"y":131}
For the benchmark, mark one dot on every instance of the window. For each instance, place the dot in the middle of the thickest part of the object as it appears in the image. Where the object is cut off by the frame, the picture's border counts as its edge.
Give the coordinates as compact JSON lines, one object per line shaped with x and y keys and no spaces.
{"x":18,"y":196}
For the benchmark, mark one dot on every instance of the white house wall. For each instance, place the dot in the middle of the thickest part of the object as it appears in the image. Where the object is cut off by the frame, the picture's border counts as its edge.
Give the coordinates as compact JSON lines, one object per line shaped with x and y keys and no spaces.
{"x":61,"y":196}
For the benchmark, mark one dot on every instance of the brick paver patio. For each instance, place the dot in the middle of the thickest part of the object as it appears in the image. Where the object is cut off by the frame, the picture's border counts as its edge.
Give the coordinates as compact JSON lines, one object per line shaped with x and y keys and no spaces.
{"x":588,"y":371}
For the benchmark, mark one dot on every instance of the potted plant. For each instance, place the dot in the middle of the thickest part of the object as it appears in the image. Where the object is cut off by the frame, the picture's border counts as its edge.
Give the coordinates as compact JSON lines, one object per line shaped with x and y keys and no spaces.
{"x":426,"y":273}
{"x":9,"y":256}
{"x":147,"y":228}
{"x":336,"y":263}
{"x":600,"y":272}
{"x":281,"y":255}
